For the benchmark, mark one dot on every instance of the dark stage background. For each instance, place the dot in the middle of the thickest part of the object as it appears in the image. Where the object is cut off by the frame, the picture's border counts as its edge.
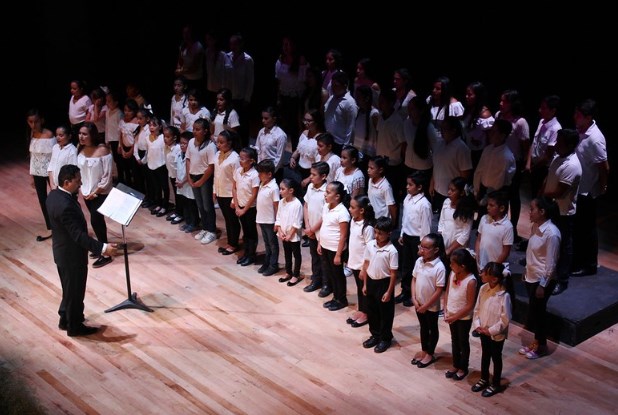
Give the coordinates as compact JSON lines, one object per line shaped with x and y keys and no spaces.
{"x":532,"y":50}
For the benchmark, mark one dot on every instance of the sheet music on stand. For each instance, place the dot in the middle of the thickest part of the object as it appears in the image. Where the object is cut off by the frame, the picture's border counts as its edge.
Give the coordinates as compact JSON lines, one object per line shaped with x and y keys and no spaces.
{"x":121,"y":204}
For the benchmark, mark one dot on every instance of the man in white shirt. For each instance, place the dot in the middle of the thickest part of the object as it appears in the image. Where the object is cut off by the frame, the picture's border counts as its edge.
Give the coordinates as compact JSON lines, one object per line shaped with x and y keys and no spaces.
{"x":592,"y":154}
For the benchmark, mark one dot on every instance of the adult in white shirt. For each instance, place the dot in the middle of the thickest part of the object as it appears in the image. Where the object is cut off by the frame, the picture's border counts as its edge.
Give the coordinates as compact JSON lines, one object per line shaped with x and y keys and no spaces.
{"x":190,"y":59}
{"x":542,"y":149}
{"x":592,"y":154}
{"x":340,"y":112}
{"x":562,"y":184}
{"x":518,"y":142}
{"x":241,"y":83}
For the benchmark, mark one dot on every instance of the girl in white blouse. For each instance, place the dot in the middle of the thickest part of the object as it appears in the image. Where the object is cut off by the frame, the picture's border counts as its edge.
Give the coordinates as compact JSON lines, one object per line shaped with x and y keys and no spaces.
{"x":63,"y":153}
{"x":95,"y":163}
{"x":288,"y":225}
{"x":492,"y":315}
{"x":226,"y":162}
{"x":157,"y":168}
{"x":42,"y":142}
{"x":457,"y":215}
{"x":459,"y":304}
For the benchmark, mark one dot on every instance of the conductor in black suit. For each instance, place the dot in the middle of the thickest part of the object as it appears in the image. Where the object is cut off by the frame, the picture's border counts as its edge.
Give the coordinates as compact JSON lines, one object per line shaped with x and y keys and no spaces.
{"x":71,"y":244}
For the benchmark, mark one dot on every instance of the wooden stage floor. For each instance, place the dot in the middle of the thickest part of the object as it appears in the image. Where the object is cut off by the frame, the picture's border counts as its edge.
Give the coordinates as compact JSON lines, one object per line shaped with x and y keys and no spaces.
{"x":224,"y":339}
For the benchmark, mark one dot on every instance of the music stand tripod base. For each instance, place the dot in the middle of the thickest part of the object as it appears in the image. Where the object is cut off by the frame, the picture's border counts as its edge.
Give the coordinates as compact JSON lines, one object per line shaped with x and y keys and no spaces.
{"x":131,"y":302}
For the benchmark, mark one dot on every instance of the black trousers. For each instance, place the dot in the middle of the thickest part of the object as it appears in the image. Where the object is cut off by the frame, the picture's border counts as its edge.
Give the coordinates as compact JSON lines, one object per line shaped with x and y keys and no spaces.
{"x":563,"y":268}
{"x":537,"y":311}
{"x":460,"y":343}
{"x":515,"y":197}
{"x":292,"y":249}
{"x":160,"y":188}
{"x":316,"y":264}
{"x":407,"y":259}
{"x":232,"y":224}
{"x":73,"y":280}
{"x":380,"y":314}
{"x":585,"y":234}
{"x":189,"y":209}
{"x":271,"y":244}
{"x":97,"y":220}
{"x":362,"y":299}
{"x":491,"y":351}
{"x":335,"y":275}
{"x":429,"y":331}
{"x":40,"y":185}
{"x":249,"y":231}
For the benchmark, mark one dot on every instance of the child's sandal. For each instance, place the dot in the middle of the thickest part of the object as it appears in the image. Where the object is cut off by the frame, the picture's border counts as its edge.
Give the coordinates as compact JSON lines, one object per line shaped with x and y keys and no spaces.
{"x":480,"y":385}
{"x":490,"y":391}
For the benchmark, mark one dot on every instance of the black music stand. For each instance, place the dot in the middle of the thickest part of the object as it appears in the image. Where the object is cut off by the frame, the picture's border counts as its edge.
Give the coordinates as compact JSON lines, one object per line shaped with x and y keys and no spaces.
{"x":121,"y":205}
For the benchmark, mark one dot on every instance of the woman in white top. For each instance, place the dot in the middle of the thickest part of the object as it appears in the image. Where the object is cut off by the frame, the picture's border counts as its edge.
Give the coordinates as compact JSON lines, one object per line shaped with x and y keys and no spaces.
{"x":441,"y":102}
{"x":95,"y":164}
{"x":477,"y":120}
{"x":271,"y":140}
{"x":459,"y":307}
{"x":226,"y":117}
{"x":63,"y":153}
{"x":42,"y":142}
{"x":306,"y":152}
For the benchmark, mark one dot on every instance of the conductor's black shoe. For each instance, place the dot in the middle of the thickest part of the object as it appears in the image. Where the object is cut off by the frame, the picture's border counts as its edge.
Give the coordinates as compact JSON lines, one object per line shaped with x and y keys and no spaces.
{"x":305,"y":243}
{"x":315,"y":285}
{"x":102,"y":261}
{"x":63,"y":325}
{"x":82,"y":330}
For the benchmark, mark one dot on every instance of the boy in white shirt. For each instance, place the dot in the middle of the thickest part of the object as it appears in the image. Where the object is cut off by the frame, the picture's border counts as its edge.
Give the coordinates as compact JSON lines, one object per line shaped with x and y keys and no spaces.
{"x":267,"y":204}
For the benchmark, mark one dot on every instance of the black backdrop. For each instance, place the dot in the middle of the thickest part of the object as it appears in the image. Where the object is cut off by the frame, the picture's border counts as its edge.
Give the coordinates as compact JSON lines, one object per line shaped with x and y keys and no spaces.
{"x":532,"y":50}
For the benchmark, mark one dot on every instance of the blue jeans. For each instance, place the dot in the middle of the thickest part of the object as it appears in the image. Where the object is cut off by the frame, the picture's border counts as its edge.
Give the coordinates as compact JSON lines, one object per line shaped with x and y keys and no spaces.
{"x":205,"y":205}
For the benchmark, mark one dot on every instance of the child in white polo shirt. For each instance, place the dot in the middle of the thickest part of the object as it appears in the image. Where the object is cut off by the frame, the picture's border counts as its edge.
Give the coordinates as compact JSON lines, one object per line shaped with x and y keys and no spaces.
{"x":495,"y":233}
{"x":314,"y":201}
{"x":379,"y":274}
{"x":267,"y":204}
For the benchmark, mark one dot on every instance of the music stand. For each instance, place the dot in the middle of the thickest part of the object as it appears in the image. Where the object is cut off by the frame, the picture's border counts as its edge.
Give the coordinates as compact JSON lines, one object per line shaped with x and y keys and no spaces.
{"x":120,"y":206}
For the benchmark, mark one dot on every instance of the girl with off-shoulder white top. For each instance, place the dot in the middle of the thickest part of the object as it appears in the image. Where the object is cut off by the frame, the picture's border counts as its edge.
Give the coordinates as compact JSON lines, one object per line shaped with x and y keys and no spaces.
{"x":95,"y":164}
